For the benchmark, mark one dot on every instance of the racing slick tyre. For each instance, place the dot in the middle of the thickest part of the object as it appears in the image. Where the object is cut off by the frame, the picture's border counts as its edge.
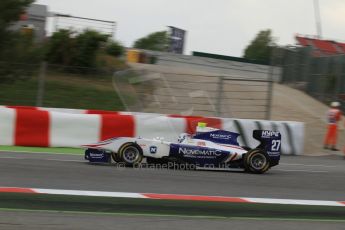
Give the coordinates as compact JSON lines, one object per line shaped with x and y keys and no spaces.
{"x":130,"y":154}
{"x":116,"y":157}
{"x":256,"y":161}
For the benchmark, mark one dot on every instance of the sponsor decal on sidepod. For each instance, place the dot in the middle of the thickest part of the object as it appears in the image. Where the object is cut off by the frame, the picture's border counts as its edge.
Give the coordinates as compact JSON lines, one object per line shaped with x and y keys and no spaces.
{"x":153,"y":149}
{"x":220,"y":136}
{"x":192,"y":152}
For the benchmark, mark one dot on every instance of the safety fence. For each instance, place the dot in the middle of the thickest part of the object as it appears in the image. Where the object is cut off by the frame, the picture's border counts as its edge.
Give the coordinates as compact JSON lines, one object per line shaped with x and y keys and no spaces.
{"x":58,"y":86}
{"x":50,"y":127}
{"x":322,"y":77}
{"x":166,"y":92}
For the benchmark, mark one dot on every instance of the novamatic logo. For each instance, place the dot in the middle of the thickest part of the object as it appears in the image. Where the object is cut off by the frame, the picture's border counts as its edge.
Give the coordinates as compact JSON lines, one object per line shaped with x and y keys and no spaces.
{"x":205,"y":152}
{"x":267,"y":133}
{"x":220,"y":136}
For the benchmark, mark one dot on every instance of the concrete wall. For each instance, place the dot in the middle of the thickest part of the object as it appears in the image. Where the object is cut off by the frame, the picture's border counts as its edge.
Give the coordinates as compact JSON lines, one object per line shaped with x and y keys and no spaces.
{"x":216,"y":66}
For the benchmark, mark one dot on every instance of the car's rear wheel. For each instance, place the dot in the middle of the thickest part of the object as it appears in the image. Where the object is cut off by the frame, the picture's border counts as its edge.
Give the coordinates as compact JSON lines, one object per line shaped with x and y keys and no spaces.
{"x":130,"y":154}
{"x":256,"y":161}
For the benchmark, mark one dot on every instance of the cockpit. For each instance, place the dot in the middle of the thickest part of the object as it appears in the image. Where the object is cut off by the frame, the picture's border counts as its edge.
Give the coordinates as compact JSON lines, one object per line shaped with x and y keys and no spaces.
{"x":183,"y":137}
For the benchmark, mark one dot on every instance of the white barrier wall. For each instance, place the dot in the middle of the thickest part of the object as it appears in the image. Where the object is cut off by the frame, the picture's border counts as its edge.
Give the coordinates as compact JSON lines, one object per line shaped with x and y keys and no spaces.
{"x":73,"y":129}
{"x":56,"y":128}
{"x":292,"y":133}
{"x":7,"y":126}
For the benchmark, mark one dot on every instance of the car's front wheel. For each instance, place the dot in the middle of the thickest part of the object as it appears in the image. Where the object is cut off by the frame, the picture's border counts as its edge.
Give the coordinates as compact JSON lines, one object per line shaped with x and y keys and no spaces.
{"x":256,"y":161}
{"x":131,"y":154}
{"x":116,"y":157}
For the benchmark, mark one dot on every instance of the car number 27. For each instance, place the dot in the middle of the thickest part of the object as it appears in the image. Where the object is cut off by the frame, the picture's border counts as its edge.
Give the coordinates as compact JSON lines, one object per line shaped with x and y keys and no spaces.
{"x":275,"y":145}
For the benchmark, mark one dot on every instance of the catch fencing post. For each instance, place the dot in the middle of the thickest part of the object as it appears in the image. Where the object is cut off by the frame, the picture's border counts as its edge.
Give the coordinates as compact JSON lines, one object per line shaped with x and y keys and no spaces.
{"x":270,"y":86}
{"x":338,"y":82}
{"x":41,"y":81}
{"x":219,"y":95}
{"x":269,"y":97}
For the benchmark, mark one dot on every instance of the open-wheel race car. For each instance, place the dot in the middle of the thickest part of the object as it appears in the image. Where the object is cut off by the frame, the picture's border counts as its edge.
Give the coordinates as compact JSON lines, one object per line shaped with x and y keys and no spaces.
{"x":208,"y":148}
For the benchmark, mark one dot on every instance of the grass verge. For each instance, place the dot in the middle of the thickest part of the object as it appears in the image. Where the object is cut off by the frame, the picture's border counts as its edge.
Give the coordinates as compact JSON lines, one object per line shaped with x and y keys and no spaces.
{"x":64,"y":91}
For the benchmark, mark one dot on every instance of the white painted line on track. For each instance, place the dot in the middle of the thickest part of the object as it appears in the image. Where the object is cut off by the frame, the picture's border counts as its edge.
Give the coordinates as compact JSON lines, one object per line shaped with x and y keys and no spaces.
{"x":294,"y":202}
{"x":89,"y":193}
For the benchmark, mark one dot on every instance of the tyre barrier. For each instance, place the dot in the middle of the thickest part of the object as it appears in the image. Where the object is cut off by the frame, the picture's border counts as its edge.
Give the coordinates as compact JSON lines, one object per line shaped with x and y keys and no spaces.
{"x":55,"y":127}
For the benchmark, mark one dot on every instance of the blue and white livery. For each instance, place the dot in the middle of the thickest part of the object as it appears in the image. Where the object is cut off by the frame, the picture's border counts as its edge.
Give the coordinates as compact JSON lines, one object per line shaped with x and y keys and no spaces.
{"x":208,"y":148}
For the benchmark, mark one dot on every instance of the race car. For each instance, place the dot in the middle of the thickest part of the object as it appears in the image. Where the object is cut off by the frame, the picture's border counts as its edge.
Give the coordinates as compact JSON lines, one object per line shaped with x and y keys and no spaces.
{"x":208,"y":148}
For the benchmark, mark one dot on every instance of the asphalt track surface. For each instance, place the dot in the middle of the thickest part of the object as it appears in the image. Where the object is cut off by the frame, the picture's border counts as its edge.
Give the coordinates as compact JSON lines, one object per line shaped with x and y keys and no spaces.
{"x":297,"y":177}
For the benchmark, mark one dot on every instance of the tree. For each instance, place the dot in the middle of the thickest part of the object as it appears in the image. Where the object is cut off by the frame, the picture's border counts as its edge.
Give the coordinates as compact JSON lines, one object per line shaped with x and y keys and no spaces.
{"x":61,"y":47}
{"x":158,"y":41}
{"x":114,"y":48}
{"x":21,"y":59}
{"x":67,"y":48}
{"x":16,"y":47}
{"x":88,"y":44}
{"x":260,"y":47}
{"x":10,"y":11}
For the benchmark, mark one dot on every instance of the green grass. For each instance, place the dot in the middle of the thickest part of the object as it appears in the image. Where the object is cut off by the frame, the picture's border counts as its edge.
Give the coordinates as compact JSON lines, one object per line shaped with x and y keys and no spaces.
{"x":76,"y":151}
{"x":60,"y":94}
{"x":64,"y":91}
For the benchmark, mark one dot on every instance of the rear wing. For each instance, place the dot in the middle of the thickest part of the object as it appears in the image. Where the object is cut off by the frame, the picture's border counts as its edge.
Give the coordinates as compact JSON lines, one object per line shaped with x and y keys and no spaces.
{"x":270,"y":141}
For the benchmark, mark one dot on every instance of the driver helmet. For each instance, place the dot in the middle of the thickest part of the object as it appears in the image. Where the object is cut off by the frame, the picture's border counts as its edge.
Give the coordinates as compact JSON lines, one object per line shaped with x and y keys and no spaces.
{"x":182,"y":137}
{"x":335,"y":104}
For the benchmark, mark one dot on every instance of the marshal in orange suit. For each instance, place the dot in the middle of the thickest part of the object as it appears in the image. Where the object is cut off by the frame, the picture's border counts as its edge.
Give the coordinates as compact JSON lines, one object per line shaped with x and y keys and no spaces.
{"x":334,"y":115}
